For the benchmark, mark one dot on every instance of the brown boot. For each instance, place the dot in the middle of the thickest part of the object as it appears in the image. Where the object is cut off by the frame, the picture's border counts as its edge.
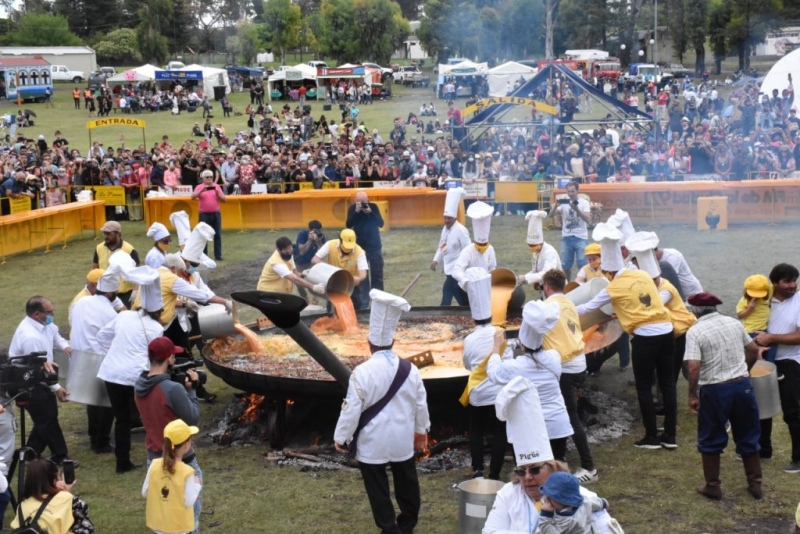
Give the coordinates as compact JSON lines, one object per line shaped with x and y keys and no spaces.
{"x":752,"y":468}
{"x":711,"y":489}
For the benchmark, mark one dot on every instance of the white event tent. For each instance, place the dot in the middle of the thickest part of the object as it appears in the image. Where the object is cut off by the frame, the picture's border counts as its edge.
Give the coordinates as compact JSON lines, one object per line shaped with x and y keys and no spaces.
{"x":507,"y":72}
{"x":145,"y":73}
{"x":293,"y":74}
{"x":778,"y":75}
{"x":212,"y":77}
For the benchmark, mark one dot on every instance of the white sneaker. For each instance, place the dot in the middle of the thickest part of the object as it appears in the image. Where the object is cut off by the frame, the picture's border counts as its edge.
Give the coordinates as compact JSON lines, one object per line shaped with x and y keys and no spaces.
{"x":586,"y":477}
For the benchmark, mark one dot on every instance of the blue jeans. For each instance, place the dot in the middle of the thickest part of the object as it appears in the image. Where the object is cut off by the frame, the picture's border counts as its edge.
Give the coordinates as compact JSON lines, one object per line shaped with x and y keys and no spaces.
{"x":214,"y":220}
{"x":451,"y":290}
{"x":198,"y":504}
{"x":572,"y":249}
{"x":720,"y":403}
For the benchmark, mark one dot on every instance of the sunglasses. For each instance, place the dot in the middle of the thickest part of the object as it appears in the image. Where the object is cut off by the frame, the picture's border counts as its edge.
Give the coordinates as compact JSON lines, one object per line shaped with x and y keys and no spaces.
{"x":532,"y":471}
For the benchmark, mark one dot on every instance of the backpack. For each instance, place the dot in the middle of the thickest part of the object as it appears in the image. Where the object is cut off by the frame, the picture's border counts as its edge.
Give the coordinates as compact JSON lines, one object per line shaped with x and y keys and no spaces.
{"x":31,"y":524}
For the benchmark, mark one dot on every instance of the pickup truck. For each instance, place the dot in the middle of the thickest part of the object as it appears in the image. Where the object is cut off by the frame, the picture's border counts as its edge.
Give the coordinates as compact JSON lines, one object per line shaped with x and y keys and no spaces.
{"x":411,"y":75}
{"x":679,"y":71}
{"x":175,"y":65}
{"x":60,"y":73}
{"x":640,"y":74}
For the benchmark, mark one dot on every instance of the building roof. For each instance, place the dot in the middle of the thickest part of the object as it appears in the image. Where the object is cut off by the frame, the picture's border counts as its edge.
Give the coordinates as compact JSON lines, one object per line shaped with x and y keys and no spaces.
{"x":50,"y":50}
{"x":28,"y":61}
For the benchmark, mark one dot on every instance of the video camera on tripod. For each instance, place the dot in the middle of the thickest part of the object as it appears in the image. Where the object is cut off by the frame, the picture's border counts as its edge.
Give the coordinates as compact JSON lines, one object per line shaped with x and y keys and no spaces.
{"x":22,"y":373}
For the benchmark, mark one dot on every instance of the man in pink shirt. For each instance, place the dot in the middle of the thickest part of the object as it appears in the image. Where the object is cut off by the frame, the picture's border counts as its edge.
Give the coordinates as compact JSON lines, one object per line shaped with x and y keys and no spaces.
{"x":209,"y":195}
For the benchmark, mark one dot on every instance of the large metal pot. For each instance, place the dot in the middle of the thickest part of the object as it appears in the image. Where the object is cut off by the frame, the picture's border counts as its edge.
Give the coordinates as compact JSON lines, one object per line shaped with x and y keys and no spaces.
{"x":585,"y":293}
{"x":334,"y":279}
{"x":215,"y":321}
{"x":82,"y":383}
{"x":764,"y":377}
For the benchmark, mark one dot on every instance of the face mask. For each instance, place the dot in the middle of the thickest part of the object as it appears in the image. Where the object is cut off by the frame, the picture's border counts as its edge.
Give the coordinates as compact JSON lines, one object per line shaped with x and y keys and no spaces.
{"x":127,"y":173}
{"x":163,"y":247}
{"x":111,"y":297}
{"x":285,"y":257}
{"x":482,"y":248}
{"x":191,"y":269}
{"x":48,"y":320}
{"x":535,"y":248}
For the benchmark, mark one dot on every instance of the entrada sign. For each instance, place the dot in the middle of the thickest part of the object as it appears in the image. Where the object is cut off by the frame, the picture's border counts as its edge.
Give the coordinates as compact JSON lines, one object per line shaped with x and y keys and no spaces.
{"x":99,"y":123}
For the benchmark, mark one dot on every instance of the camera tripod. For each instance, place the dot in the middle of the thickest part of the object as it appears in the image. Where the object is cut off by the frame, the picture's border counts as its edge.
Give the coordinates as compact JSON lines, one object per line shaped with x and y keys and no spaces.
{"x":23,"y":454}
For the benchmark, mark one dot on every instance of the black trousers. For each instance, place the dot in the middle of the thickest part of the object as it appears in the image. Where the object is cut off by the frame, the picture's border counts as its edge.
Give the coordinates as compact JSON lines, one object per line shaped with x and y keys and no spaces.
{"x":121,"y":398}
{"x":655,"y":354}
{"x":680,"y":350}
{"x":789,"y":389}
{"x":46,"y":432}
{"x":176,"y":334}
{"x":100,"y":419}
{"x":570,"y":384}
{"x":483,"y":420}
{"x":406,"y":492}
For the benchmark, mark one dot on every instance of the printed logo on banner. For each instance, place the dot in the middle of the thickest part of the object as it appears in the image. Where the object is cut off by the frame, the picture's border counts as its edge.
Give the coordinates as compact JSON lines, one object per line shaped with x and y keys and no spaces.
{"x":114,"y":195}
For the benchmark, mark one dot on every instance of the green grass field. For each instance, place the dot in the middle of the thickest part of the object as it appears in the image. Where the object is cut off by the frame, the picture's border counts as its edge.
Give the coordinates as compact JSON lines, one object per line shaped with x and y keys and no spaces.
{"x":649,"y":492}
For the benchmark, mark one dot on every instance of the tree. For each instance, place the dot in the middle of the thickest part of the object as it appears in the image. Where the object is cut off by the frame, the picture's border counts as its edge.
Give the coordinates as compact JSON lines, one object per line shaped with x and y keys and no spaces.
{"x":41,"y":29}
{"x":550,"y":15}
{"x":118,"y":46}
{"x":676,"y":18}
{"x":750,"y":21}
{"x":281,"y":26}
{"x":249,"y":40}
{"x":697,"y":12}
{"x":719,"y":16}
{"x":450,"y":28}
{"x":522,"y":16}
{"x":582,"y":24}
{"x":382,"y":29}
{"x":155,"y":16}
{"x":340,"y":37}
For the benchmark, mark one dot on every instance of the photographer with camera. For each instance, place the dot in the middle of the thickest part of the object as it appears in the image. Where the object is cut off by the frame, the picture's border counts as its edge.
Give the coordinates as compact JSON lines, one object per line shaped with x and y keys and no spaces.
{"x":306,"y":245}
{"x":365,"y":219}
{"x":575,"y":217}
{"x":162,"y":397}
{"x":38,"y":333}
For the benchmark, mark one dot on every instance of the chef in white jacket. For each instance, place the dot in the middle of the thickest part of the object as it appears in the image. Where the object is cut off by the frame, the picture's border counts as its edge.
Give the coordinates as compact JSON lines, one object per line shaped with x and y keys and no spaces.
{"x":481,"y":392}
{"x":542,"y":367}
{"x":180,"y":220}
{"x":454,"y":239}
{"x":514,"y":510}
{"x":401,"y":427}
{"x":87,"y":317}
{"x":479,"y":253}
{"x":543,"y":255}
{"x":124,"y":341}
{"x":161,"y":241}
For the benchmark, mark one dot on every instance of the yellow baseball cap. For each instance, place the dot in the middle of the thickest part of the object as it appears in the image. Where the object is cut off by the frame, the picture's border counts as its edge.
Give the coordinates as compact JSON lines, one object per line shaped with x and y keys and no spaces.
{"x":348,"y":238}
{"x":757,"y":286}
{"x":179,"y":432}
{"x":94,"y":275}
{"x":593,"y":248}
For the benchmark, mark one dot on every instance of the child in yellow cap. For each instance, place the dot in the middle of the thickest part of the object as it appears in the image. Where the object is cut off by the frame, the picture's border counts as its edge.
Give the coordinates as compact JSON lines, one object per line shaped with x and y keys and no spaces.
{"x":592,"y":268}
{"x":753,"y":308}
{"x":172,"y":486}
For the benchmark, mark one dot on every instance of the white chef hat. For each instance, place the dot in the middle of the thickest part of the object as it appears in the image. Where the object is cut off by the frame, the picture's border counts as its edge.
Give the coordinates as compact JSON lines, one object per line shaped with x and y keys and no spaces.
{"x":157,"y":231}
{"x":481,"y":215}
{"x":642,"y":245}
{"x":535,"y":234}
{"x":385,"y":312}
{"x":109,"y":281}
{"x":622,"y":220}
{"x":200,"y":236}
{"x":149,"y":286}
{"x":478,"y":284}
{"x":453,"y":200}
{"x":610,"y":254}
{"x":518,"y":404}
{"x":180,"y":220}
{"x":122,"y":260}
{"x":538,"y":318}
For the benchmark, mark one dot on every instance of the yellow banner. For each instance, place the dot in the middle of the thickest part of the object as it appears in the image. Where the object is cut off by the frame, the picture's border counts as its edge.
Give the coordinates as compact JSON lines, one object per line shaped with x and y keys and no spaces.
{"x":20,"y":204}
{"x":114,"y":195}
{"x":480,"y":105}
{"x":116,"y":121}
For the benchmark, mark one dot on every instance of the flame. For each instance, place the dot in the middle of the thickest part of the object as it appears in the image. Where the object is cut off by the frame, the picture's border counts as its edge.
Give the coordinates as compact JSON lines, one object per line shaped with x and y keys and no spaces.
{"x":317,"y":440}
{"x":426,"y":452}
{"x":290,"y":402}
{"x":254,"y":403}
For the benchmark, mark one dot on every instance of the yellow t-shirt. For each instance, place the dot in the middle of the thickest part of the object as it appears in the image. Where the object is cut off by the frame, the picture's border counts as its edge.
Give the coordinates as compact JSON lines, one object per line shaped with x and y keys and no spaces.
{"x":56,"y":518}
{"x":636,"y":300}
{"x":566,"y":337}
{"x":759,"y":319}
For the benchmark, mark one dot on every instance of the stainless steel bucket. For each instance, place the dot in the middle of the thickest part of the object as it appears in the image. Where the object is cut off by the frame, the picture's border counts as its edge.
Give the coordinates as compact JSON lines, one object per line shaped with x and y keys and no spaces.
{"x":764,"y":377}
{"x":215,"y":321}
{"x":585,"y":293}
{"x":333,"y":278}
{"x":475,"y":500}
{"x":82,"y":383}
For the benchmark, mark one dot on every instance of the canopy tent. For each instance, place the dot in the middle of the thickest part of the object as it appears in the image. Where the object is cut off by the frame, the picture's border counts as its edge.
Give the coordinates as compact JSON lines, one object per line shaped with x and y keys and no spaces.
{"x":371,"y":76}
{"x":778,"y":75}
{"x":145,"y":73}
{"x":465,"y":68}
{"x":500,"y":75}
{"x":299,"y":73}
{"x":211,"y":78}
